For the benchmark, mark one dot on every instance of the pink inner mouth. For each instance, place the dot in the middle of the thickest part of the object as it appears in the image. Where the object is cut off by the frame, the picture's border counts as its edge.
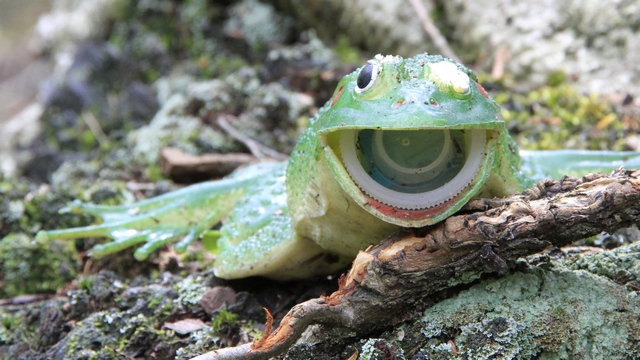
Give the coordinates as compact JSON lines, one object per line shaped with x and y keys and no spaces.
{"x":407,"y":214}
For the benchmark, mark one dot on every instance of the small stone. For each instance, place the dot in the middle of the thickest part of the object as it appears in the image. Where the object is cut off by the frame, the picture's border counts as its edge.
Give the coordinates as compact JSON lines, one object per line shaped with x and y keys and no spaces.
{"x":185,"y":326}
{"x":213,"y":299}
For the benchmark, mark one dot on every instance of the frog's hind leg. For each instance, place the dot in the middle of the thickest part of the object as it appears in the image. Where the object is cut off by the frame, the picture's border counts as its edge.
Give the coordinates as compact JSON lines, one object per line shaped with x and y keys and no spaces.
{"x":553,"y":164}
{"x":187,"y":213}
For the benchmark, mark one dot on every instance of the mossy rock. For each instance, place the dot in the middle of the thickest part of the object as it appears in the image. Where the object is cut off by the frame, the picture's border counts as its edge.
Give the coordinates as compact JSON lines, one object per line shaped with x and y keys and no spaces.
{"x":29,"y":268}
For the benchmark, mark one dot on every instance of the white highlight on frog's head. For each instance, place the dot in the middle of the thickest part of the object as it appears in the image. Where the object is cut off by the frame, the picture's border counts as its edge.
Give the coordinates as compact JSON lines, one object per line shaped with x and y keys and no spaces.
{"x":447,"y":75}
{"x":382,"y":59}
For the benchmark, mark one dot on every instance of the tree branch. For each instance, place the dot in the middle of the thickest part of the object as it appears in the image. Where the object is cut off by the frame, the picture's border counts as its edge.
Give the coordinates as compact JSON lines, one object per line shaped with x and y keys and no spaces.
{"x":413,"y":264}
{"x":258,"y":150}
{"x":432,"y":30}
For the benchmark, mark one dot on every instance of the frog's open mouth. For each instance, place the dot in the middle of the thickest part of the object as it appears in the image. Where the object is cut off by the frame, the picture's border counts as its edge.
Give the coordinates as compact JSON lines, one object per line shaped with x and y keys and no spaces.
{"x":413,"y":169}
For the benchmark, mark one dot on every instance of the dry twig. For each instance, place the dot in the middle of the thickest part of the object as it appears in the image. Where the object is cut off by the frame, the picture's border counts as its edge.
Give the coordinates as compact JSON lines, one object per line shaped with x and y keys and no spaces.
{"x":182,"y":167}
{"x":432,"y":31}
{"x":257,"y":149}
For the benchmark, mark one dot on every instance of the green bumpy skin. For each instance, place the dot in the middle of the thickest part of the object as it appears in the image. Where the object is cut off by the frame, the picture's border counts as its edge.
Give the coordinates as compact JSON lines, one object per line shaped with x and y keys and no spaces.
{"x":401,"y":143}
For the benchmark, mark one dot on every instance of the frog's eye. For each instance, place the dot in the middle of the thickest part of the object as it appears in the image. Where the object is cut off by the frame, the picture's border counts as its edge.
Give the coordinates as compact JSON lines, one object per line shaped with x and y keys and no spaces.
{"x":412,"y":169}
{"x":367,"y":77}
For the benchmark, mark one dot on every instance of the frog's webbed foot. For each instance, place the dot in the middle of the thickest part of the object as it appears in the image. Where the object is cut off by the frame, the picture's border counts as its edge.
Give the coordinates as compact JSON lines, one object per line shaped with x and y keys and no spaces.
{"x":186,"y":213}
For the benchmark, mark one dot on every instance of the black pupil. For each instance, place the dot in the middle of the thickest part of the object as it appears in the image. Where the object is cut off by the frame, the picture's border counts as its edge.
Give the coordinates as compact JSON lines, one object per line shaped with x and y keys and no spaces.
{"x":365,"y":76}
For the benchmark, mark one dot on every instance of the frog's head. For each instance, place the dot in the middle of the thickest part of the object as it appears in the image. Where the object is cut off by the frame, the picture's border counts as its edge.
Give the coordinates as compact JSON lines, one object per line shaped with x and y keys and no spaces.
{"x":410,"y":140}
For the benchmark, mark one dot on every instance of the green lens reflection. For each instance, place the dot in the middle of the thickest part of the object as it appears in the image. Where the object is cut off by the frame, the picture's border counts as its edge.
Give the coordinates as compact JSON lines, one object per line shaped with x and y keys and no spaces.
{"x":412,"y":161}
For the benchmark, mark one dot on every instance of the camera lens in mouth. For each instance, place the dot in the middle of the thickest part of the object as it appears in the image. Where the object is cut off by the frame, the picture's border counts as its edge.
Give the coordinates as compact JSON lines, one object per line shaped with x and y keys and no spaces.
{"x":412,"y":169}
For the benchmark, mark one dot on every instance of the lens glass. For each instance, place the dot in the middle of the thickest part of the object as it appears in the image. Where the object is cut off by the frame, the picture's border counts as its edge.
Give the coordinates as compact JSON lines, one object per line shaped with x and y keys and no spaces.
{"x":412,"y":161}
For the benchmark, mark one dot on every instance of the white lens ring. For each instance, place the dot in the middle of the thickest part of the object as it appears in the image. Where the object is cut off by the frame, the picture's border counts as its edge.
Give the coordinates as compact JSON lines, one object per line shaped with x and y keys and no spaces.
{"x":412,"y":201}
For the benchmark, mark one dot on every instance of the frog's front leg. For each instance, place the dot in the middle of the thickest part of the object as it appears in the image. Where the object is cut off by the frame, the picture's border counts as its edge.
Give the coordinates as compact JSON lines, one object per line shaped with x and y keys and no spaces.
{"x":274,"y":251}
{"x":258,"y":239}
{"x":185,"y":213}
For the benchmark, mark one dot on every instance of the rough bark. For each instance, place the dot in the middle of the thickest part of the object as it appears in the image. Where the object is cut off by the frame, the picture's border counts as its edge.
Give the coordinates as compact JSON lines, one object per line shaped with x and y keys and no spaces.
{"x":489,"y":234}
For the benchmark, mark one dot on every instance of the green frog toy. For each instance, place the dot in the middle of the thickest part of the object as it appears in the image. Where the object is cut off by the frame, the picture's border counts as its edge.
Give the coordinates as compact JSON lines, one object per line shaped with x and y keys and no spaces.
{"x":401,"y":143}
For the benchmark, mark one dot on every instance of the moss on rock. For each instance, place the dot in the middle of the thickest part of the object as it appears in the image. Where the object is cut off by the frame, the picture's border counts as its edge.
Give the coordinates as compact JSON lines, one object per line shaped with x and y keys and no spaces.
{"x":30,"y":268}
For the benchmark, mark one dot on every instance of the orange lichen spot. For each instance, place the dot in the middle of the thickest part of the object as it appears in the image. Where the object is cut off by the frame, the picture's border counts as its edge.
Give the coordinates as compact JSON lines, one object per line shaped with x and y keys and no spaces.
{"x":337,"y":96}
{"x":482,"y":90}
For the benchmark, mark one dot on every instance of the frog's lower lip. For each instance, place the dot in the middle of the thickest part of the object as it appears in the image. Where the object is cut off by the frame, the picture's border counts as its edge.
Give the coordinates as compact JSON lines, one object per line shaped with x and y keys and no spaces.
{"x":412,"y":215}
